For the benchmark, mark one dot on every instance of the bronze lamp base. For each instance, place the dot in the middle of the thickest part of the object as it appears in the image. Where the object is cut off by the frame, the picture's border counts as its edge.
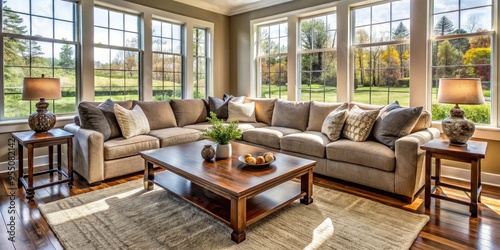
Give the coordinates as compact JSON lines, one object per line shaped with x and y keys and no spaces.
{"x":458,"y":129}
{"x":42,"y":120}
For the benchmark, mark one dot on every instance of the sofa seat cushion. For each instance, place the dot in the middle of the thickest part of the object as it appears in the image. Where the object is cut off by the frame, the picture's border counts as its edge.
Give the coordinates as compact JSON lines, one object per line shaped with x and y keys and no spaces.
{"x":120,"y":147}
{"x":173,"y":136}
{"x":244,"y":126}
{"x":309,"y":143}
{"x":368,"y":153}
{"x":269,"y":136}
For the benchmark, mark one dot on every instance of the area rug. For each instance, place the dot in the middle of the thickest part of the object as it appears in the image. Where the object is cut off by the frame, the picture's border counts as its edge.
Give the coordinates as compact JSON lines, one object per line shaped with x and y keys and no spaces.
{"x":128,"y":217}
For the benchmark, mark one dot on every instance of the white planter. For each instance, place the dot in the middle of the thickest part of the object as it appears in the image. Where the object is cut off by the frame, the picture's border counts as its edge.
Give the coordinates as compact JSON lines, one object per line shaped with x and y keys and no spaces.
{"x":223,"y":151}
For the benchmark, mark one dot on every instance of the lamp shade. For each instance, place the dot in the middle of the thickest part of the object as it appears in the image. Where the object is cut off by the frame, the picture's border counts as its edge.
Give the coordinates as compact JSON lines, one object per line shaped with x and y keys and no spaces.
{"x":460,"y":91}
{"x":35,"y":88}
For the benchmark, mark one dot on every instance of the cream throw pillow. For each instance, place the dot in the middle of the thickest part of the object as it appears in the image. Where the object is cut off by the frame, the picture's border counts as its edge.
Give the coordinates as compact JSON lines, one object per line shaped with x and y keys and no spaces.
{"x":359,"y":123}
{"x":132,"y":122}
{"x":241,"y":112}
{"x":333,"y":123}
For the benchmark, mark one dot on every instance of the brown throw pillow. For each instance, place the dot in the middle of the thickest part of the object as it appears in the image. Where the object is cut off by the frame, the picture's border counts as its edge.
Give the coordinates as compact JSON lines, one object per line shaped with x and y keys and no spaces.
{"x":394,"y":123}
{"x":92,"y":117}
{"x":359,"y":123}
{"x":290,"y":114}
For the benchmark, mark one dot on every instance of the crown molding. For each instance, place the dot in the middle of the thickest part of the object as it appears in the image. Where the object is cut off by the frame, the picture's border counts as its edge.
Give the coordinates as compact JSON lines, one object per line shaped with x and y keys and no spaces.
{"x":228,"y":10}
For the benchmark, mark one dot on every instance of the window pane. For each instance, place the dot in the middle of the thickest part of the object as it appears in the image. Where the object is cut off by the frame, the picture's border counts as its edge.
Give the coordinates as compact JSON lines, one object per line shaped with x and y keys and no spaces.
{"x":17,"y":5}
{"x":101,"y":17}
{"x":42,"y":27}
{"x":362,"y":16}
{"x":64,"y":10}
{"x":401,"y":10}
{"x":473,"y":3}
{"x":131,"y":40}
{"x":381,"y":13}
{"x":100,"y":35}
{"x":445,"y":24}
{"x":156,"y":28}
{"x":64,"y":56}
{"x":131,"y":23}
{"x":445,"y":5}
{"x":116,"y":38}
{"x":64,"y":30}
{"x":116,"y":20}
{"x":42,"y":8}
{"x":476,"y":20}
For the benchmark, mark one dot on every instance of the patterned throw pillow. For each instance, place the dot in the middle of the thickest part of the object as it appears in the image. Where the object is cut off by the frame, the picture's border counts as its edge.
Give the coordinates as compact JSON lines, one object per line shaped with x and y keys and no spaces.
{"x":359,"y":123}
{"x":132,"y":122}
{"x":334,"y":122}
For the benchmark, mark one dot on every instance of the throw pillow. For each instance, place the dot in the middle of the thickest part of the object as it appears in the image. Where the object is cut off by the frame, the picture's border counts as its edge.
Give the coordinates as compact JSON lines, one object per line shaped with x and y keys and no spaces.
{"x":263,"y":109}
{"x":132,"y":122}
{"x":318,"y":112}
{"x":394,"y":123}
{"x":159,"y":114}
{"x":92,"y":117}
{"x":108,"y":110}
{"x":290,"y":114}
{"x":241,"y":112}
{"x":219,"y":106}
{"x":359,"y":123}
{"x":189,"y":111}
{"x":334,"y":122}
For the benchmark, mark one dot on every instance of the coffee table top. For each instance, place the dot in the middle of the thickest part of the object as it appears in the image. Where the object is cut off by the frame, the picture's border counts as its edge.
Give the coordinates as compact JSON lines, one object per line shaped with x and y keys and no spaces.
{"x":228,"y":175}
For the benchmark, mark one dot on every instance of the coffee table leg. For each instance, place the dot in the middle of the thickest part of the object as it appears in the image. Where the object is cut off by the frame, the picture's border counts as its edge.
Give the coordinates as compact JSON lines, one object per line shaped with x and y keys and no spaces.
{"x":306,"y":185}
{"x":149,"y":176}
{"x":238,"y":219}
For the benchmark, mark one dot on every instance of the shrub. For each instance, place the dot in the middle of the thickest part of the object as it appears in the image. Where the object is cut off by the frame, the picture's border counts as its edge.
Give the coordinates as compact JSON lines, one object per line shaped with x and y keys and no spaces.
{"x":476,"y":113}
{"x":403,"y":82}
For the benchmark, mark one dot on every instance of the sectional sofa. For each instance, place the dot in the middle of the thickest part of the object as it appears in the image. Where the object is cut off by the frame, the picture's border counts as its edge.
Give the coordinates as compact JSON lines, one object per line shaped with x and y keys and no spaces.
{"x":290,"y":127}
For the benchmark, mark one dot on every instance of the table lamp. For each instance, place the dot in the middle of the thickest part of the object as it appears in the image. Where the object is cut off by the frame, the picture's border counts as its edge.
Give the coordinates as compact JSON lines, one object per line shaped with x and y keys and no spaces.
{"x":35,"y":88}
{"x":459,"y":91}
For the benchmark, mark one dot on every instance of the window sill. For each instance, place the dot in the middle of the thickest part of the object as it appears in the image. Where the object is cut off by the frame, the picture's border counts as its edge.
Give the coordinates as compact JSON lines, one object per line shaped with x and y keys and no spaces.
{"x":22,"y":124}
{"x":482,"y":132}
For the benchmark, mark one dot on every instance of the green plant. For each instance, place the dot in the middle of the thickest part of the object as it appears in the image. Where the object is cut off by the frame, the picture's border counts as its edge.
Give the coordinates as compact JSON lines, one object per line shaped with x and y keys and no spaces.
{"x":221,"y":132}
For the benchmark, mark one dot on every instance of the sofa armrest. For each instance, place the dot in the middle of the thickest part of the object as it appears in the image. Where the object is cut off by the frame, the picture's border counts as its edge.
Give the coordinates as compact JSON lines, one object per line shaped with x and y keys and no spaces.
{"x":88,"y":152}
{"x":410,"y":173}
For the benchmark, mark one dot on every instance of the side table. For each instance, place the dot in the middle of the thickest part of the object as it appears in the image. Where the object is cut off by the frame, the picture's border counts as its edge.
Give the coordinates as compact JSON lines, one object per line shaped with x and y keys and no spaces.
{"x":472,"y":153}
{"x":51,"y":138}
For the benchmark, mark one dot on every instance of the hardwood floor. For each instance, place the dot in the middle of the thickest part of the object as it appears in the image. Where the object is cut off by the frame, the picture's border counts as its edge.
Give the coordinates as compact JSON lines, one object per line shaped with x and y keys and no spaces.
{"x":450,"y":226}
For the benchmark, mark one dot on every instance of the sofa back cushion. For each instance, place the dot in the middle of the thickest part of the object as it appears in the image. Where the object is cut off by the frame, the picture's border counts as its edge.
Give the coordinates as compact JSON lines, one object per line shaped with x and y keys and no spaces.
{"x":263,"y":109}
{"x":290,"y":114}
{"x":159,"y":113}
{"x":189,"y":111}
{"x":318,"y":112}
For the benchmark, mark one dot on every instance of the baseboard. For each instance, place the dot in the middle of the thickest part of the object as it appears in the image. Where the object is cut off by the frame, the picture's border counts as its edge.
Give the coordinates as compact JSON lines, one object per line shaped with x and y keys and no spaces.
{"x":38,"y":161}
{"x":464,"y":174}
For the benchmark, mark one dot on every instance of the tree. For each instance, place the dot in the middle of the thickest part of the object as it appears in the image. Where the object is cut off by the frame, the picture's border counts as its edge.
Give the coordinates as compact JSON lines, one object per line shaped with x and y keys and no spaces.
{"x":447,"y":56}
{"x":361,"y":55}
{"x":443,"y":26}
{"x":479,"y":59}
{"x":480,"y":41}
{"x":390,"y":60}
{"x":13,"y":48}
{"x":401,"y":33}
{"x":472,"y":23}
{"x":66,"y":59}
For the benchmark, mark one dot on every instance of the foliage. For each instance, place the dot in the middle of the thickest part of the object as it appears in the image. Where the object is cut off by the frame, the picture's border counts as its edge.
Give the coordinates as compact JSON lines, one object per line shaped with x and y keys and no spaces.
{"x":475,"y":113}
{"x":480,"y":41}
{"x":219,"y":131}
{"x":403,"y":82}
{"x":479,"y":58}
{"x":447,"y":55}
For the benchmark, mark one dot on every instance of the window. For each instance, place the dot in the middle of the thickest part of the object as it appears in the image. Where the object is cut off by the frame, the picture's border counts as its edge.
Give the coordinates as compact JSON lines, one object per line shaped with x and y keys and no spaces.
{"x":461,"y":47}
{"x":167,"y":61}
{"x":116,"y":55}
{"x":39,"y":37}
{"x":318,"y":58}
{"x":272,"y":40}
{"x":382,"y":52}
{"x":200,"y":60}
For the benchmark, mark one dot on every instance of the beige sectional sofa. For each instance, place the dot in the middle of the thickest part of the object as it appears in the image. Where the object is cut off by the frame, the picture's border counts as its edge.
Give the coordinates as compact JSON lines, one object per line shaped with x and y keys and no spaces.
{"x":296,"y":131}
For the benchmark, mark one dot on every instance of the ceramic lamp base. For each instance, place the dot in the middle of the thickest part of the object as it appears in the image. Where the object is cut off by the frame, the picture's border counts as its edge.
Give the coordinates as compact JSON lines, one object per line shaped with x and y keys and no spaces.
{"x":458,"y":129}
{"x":42,"y":120}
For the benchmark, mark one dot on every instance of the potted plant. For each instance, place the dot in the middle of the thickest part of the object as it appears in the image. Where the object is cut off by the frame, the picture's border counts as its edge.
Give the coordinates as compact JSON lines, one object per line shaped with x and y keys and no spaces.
{"x":223,"y":134}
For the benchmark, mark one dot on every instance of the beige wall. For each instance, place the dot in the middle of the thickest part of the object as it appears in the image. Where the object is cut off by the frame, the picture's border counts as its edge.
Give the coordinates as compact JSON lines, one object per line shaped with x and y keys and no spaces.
{"x":221,"y":37}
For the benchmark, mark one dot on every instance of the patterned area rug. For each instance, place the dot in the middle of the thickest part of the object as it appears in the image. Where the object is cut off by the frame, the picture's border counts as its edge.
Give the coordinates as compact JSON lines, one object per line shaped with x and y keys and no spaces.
{"x":127,"y":217}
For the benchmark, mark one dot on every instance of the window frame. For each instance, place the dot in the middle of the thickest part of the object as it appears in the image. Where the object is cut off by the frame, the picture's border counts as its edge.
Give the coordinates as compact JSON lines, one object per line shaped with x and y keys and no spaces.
{"x":196,"y":57}
{"x":30,"y":37}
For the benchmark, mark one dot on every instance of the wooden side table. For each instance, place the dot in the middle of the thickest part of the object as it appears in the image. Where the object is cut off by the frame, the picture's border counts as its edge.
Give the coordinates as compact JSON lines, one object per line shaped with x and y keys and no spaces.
{"x":32,"y":140}
{"x":440,"y":149}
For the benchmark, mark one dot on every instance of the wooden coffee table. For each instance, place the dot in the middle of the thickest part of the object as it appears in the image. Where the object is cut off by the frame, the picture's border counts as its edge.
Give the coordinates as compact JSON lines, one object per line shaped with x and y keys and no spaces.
{"x":228,"y":189}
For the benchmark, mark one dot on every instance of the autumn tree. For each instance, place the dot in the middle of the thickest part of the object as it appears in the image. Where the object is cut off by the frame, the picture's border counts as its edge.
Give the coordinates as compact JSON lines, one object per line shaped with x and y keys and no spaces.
{"x":361,"y":55}
{"x":390,"y":60}
{"x":479,"y":59}
{"x":401,"y":33}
